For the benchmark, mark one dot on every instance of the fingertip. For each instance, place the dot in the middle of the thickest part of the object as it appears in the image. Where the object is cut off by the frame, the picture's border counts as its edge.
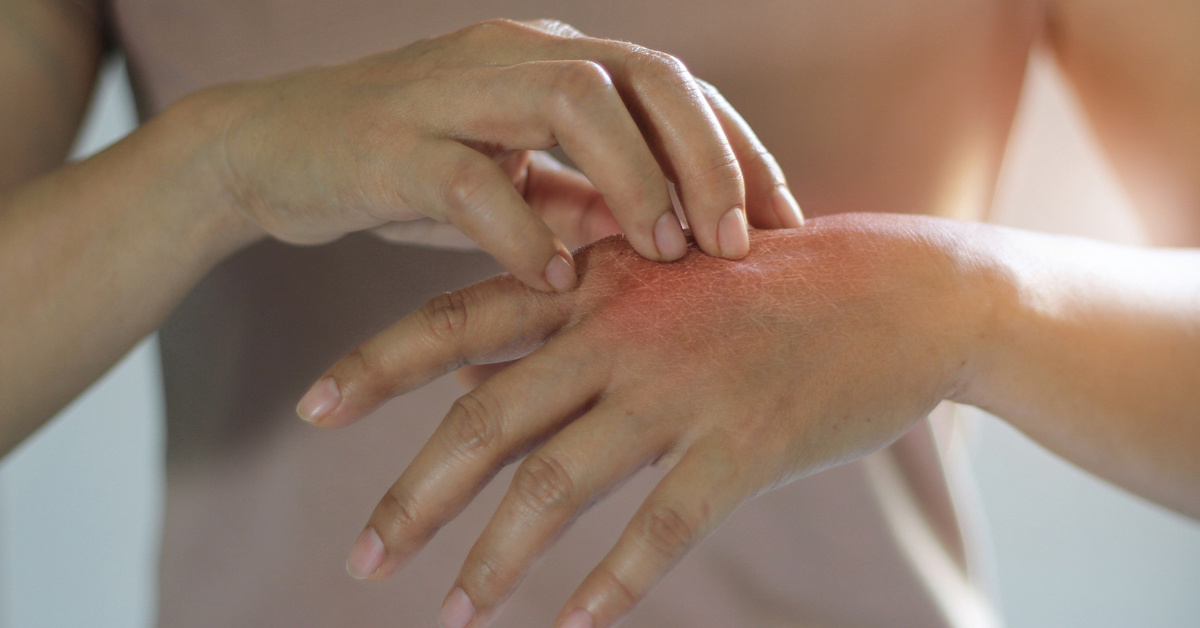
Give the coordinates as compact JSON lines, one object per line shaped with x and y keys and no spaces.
{"x":786,"y":208}
{"x":560,"y":272}
{"x":733,"y":239}
{"x":320,"y":401}
{"x":578,"y":618}
{"x":457,"y":611}
{"x":669,"y":238}
{"x":367,"y":555}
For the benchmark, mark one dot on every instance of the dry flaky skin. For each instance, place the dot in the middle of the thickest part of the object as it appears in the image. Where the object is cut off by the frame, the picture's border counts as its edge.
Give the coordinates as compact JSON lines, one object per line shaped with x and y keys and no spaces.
{"x":823,"y":344}
{"x":809,"y":310}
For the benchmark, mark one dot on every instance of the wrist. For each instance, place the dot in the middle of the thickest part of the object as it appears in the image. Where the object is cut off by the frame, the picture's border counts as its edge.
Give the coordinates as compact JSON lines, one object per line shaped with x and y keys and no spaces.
{"x":938,"y":286}
{"x":185,"y":142}
{"x":986,"y":294}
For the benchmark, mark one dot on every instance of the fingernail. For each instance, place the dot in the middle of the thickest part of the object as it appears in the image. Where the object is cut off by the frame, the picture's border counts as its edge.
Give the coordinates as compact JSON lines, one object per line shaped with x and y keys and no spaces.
{"x":367,"y":555}
{"x":560,"y":274}
{"x":731,"y":234}
{"x":458,"y":611}
{"x":578,"y":618}
{"x":668,"y":237}
{"x":787,"y":208}
{"x":320,"y":400}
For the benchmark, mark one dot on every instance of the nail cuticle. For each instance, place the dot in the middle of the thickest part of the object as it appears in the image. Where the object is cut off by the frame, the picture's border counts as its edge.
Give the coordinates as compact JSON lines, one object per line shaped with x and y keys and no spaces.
{"x":457,"y":610}
{"x":320,"y":401}
{"x":669,"y":238}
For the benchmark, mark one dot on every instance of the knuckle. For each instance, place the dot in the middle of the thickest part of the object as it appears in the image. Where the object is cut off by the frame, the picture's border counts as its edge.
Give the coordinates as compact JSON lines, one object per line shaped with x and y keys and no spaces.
{"x":486,"y":580}
{"x":669,"y":531}
{"x":366,"y":369}
{"x":659,"y":66}
{"x":501,"y":22}
{"x":578,"y":85}
{"x":474,"y":423}
{"x":488,"y":29}
{"x":552,"y":26}
{"x":466,"y":186}
{"x":446,"y":317}
{"x":626,"y":595}
{"x":543,"y":483}
{"x":765,"y":160}
{"x":707,"y":88}
{"x":725,"y":169}
{"x":400,"y":515}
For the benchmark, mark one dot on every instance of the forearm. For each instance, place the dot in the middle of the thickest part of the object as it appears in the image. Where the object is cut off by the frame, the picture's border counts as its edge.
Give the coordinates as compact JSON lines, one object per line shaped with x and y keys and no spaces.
{"x":1094,"y":352}
{"x":95,"y":255}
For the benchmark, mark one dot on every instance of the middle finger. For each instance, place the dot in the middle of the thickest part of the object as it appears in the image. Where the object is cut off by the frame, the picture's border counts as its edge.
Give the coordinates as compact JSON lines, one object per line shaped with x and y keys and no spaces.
{"x":572,"y":104}
{"x":684,"y":134}
{"x":665,"y":100}
{"x":587,"y":459}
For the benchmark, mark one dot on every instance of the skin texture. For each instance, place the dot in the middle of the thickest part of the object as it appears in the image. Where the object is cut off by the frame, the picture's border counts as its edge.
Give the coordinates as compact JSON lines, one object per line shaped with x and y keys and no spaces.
{"x":834,"y":119}
{"x":1096,"y":354}
{"x":879,"y":108}
{"x":515,"y":87}
{"x":71,"y":306}
{"x":836,"y":352}
{"x":86,"y":305}
{"x":227,"y":166}
{"x":844,"y":332}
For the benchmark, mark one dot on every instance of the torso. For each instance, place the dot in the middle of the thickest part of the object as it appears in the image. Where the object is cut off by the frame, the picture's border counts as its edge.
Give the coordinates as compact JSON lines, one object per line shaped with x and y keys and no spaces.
{"x":868,"y":106}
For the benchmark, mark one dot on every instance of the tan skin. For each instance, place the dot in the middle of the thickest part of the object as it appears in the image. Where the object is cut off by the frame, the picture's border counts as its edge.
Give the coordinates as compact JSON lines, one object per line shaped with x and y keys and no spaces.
{"x":224,"y":168}
{"x":825,"y":344}
{"x":843,"y":333}
{"x":174,"y":210}
{"x":611,"y":354}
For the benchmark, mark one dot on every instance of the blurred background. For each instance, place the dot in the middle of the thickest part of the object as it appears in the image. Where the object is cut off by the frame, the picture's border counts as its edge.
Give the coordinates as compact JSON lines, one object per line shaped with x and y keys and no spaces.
{"x":80,"y":502}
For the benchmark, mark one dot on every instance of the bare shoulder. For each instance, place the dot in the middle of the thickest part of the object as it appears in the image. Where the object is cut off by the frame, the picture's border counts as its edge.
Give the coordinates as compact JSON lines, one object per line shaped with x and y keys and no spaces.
{"x":1135,"y":65}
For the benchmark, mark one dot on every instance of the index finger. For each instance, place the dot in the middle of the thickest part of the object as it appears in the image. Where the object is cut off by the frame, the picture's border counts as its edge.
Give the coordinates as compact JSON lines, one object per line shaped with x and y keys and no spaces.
{"x":492,"y":321}
{"x":676,"y":119}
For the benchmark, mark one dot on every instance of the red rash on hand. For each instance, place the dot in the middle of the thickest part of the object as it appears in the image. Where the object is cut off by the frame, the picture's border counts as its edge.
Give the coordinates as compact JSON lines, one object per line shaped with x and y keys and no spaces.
{"x":691,"y":300}
{"x":823,"y":344}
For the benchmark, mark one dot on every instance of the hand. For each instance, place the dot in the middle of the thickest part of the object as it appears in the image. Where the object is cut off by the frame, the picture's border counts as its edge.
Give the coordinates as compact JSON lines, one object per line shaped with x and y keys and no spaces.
{"x":822,"y":345}
{"x":562,"y":197}
{"x":439,"y":131}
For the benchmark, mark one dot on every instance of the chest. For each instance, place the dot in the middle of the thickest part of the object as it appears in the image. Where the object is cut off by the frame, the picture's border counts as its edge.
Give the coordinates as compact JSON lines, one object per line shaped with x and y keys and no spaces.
{"x":177,"y":46}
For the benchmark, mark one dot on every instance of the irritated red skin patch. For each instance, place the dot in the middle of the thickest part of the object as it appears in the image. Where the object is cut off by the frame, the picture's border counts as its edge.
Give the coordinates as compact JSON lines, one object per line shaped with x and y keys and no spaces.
{"x":796,"y":290}
{"x":679,"y":311}
{"x":638,"y":296}
{"x":815,"y":331}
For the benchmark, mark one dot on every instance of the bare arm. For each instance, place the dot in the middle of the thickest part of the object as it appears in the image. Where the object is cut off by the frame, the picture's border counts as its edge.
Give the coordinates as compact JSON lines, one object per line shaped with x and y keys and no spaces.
{"x":1100,"y":359}
{"x":1095,"y":353}
{"x":94,"y":256}
{"x":823,"y":345}
{"x":1091,"y":349}
{"x":49,"y":54}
